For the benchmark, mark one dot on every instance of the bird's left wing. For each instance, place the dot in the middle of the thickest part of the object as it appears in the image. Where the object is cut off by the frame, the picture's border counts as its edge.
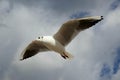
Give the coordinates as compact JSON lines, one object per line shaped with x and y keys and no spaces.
{"x":32,"y":49}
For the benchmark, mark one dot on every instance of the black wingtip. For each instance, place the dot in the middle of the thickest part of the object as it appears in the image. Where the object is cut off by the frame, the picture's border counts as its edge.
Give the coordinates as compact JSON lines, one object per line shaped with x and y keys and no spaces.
{"x":102,"y":18}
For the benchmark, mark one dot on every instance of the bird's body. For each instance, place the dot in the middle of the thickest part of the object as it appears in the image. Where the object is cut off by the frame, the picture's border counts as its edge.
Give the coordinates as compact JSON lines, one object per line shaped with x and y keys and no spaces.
{"x":53,"y":44}
{"x":61,"y":39}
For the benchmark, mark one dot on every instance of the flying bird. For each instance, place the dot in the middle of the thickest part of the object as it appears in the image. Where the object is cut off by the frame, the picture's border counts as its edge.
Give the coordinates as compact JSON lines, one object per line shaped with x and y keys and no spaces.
{"x":61,"y":39}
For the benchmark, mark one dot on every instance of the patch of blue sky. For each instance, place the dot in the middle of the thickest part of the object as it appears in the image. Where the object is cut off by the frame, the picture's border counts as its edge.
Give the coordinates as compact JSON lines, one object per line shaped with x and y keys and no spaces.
{"x":79,"y":15}
{"x":116,"y":62}
{"x":106,"y":71}
{"x":115,"y":4}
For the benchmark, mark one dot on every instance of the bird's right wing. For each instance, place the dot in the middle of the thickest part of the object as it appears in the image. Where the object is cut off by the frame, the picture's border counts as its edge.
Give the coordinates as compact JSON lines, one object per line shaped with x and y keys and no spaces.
{"x":71,"y":28}
{"x":32,"y":49}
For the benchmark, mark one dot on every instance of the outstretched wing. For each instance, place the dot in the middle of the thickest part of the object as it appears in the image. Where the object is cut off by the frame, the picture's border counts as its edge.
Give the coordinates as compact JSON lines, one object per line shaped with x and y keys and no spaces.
{"x":32,"y":49}
{"x":71,"y":28}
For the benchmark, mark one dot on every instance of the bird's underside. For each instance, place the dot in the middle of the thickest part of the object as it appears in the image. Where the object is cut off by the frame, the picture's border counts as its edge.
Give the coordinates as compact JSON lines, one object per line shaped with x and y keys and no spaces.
{"x":64,"y":36}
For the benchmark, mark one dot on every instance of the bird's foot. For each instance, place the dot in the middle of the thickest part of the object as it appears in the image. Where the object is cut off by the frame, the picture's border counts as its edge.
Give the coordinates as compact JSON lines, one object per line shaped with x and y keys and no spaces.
{"x":65,"y":56}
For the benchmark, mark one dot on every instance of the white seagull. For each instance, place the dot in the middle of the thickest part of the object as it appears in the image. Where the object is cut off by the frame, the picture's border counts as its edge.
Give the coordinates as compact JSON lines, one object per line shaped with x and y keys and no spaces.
{"x":61,"y":39}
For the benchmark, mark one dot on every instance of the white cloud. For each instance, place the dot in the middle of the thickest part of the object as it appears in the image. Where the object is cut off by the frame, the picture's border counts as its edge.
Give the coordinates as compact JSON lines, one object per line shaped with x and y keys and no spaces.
{"x":116,"y":76}
{"x":91,"y":49}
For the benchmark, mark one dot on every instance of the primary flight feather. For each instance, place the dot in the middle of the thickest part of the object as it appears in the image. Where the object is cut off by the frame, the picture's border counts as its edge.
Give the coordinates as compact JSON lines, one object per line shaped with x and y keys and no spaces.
{"x":63,"y":37}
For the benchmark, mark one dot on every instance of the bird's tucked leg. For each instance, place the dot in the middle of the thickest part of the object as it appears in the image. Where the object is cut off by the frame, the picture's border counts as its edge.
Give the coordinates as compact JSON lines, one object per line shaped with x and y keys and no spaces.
{"x":66,"y":55}
{"x":63,"y":56}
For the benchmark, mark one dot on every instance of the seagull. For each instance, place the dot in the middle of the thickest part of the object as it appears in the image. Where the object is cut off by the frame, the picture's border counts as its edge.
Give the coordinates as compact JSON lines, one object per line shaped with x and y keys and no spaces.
{"x":60,"y":39}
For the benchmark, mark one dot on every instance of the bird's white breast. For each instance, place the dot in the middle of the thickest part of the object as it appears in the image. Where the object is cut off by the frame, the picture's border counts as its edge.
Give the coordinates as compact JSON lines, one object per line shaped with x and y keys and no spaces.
{"x":49,"y":40}
{"x":53,"y":44}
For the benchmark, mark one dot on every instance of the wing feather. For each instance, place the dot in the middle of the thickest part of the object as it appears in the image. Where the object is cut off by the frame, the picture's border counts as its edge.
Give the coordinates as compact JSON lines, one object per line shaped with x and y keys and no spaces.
{"x":71,"y":28}
{"x":32,"y":49}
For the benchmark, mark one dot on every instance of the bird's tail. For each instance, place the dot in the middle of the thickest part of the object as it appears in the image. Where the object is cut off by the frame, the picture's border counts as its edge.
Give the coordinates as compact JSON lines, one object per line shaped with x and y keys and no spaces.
{"x":67,"y":55}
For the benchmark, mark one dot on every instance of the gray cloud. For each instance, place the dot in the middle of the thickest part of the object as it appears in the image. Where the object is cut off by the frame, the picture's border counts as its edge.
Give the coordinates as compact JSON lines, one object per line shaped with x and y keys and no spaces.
{"x":8,"y":48}
{"x":66,"y":7}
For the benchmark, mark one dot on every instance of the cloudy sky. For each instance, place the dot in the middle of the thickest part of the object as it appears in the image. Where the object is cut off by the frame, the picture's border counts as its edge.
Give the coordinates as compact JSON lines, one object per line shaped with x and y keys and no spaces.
{"x":96,"y":50}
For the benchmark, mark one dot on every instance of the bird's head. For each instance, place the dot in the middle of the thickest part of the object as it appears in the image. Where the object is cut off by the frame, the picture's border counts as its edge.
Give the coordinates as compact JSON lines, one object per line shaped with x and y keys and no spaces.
{"x":40,"y":38}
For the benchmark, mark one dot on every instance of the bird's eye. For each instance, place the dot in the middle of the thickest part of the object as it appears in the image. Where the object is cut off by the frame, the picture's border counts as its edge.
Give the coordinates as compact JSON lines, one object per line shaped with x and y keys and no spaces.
{"x":38,"y":37}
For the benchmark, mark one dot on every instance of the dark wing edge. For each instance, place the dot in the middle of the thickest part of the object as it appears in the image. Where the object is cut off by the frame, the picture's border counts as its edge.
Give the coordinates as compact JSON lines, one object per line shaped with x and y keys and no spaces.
{"x":32,"y":49}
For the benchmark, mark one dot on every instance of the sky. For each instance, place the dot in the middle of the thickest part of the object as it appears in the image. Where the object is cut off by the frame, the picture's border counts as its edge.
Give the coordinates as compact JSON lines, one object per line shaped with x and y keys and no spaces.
{"x":96,"y":50}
